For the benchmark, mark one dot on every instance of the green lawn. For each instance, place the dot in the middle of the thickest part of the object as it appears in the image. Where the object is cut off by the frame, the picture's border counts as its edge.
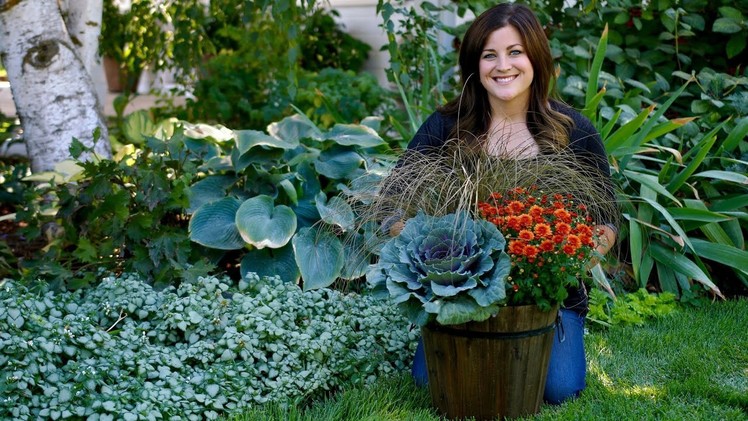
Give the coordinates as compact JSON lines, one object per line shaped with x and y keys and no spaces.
{"x":691,"y":365}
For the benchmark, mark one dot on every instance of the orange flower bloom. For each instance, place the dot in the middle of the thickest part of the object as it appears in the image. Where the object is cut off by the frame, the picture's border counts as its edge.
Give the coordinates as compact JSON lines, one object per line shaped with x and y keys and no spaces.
{"x":563,"y":215}
{"x":526,"y":235}
{"x":543,"y":230}
{"x":516,"y":207}
{"x":530,"y":251}
{"x":558,"y":239}
{"x":515,"y":247}
{"x":512,"y":222}
{"x":525,"y":220}
{"x":562,"y":228}
{"x":583,"y":229}
{"x":573,"y":241}
{"x":535,"y":211}
{"x":569,"y":249}
{"x":547,"y":246}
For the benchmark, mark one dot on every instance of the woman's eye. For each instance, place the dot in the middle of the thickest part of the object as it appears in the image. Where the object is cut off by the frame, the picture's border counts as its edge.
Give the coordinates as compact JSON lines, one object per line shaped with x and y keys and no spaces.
{"x":515,"y":52}
{"x":489,"y":55}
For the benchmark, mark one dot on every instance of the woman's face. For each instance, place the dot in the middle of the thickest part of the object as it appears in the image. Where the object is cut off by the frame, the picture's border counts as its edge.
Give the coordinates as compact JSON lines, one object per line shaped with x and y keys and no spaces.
{"x":505,"y":70}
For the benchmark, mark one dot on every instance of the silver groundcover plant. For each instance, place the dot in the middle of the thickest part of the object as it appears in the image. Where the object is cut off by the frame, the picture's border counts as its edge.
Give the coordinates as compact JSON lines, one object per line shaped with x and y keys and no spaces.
{"x":449,"y":268}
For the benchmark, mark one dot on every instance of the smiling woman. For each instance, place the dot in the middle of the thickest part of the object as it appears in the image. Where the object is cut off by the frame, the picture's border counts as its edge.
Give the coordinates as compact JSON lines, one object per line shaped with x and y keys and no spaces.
{"x":508,"y":111}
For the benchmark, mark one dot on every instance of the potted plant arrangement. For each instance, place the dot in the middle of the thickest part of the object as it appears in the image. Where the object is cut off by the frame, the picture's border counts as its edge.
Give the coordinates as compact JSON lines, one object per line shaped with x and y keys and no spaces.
{"x":131,"y":39}
{"x":482,"y":266}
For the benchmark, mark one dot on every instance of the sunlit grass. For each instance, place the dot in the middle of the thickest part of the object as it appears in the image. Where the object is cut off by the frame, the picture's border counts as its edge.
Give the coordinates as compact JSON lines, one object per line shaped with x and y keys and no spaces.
{"x":691,"y":365}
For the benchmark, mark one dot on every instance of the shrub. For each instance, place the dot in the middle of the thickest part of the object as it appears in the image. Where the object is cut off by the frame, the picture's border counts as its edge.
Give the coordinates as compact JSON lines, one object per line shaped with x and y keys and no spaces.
{"x":123,"y":349}
{"x":124,"y":214}
{"x":324,"y":43}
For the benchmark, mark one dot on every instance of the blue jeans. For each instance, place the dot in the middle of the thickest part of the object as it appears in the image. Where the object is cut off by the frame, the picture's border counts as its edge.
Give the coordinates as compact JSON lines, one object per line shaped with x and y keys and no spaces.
{"x":567,"y":368}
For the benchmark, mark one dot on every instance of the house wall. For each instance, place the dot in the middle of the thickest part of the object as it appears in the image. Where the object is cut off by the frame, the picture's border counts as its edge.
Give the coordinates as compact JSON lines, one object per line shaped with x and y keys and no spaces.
{"x":359,"y":18}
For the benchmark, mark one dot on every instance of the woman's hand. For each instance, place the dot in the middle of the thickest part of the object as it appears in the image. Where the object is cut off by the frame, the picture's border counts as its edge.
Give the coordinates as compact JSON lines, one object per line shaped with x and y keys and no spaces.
{"x":396,"y":228}
{"x":604,"y":241}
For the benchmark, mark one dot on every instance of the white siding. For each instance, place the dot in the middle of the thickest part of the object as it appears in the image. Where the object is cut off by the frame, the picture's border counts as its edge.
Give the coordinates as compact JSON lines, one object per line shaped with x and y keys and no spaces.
{"x":359,"y":18}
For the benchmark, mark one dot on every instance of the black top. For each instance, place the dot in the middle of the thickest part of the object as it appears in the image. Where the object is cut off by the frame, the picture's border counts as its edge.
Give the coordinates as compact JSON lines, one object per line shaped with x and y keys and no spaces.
{"x":584,"y":143}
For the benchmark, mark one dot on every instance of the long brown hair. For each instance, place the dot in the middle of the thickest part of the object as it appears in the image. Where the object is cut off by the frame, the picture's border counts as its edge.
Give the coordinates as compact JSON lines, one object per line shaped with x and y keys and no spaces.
{"x":549,"y":127}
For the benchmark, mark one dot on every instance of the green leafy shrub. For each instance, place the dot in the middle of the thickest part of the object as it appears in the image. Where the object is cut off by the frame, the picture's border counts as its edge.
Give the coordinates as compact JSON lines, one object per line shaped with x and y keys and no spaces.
{"x":635,"y":308}
{"x":124,"y":214}
{"x":337,"y":96}
{"x":324,"y":43}
{"x":244,"y":95}
{"x":122,"y":349}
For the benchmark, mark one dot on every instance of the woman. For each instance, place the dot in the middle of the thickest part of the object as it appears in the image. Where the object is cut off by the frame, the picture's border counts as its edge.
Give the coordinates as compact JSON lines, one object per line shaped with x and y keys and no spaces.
{"x":507,"y":73}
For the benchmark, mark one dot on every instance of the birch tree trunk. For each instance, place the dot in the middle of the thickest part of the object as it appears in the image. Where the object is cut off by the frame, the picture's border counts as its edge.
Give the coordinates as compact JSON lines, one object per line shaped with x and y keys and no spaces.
{"x":83,"y":20}
{"x":54,"y":95}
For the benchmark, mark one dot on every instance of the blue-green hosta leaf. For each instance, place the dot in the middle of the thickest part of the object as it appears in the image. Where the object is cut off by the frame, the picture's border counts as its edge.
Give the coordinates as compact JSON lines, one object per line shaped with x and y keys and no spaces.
{"x":263,"y":224}
{"x":354,"y":135}
{"x":306,"y":213}
{"x":248,"y":139}
{"x":319,"y":255}
{"x":209,"y":189}
{"x":339,"y":163}
{"x":271,"y":262}
{"x":214,"y":225}
{"x":294,"y":129}
{"x":335,"y":211}
{"x":310,"y":184}
{"x":204,"y":148}
{"x":375,"y":122}
{"x":216,"y":132}
{"x":136,"y":125}
{"x":258,"y":156}
{"x":217,"y":164}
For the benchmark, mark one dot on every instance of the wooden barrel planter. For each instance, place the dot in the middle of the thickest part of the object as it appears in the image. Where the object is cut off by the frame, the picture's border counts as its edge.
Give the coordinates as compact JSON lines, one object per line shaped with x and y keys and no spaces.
{"x":495,"y":368}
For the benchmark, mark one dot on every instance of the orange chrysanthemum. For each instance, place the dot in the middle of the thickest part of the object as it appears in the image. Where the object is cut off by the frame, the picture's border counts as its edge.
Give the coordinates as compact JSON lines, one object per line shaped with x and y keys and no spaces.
{"x":512,"y":222}
{"x":547,"y":246}
{"x":574,"y":241}
{"x":563,"y":215}
{"x":583,"y":229}
{"x":569,"y":249}
{"x":543,"y":230}
{"x":516,"y":247}
{"x":562,"y":228}
{"x":525,"y":220}
{"x":535,"y":211}
{"x":531,"y":252}
{"x":516,"y":207}
{"x":526,"y":235}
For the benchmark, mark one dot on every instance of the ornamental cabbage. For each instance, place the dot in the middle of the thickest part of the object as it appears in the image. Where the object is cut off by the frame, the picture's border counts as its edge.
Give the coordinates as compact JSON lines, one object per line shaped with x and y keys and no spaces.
{"x":449,"y":268}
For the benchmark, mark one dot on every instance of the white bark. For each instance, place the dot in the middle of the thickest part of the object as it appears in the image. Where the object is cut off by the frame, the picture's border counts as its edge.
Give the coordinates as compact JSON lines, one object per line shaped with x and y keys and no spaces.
{"x":83,"y":20}
{"x":54,"y":95}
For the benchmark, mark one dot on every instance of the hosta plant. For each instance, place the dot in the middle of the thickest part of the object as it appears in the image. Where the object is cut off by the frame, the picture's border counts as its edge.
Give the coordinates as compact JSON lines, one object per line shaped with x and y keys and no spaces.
{"x":450,"y":269}
{"x":278,"y":200}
